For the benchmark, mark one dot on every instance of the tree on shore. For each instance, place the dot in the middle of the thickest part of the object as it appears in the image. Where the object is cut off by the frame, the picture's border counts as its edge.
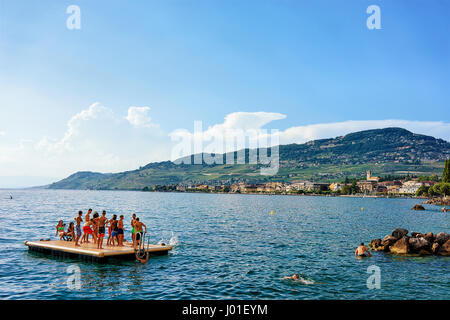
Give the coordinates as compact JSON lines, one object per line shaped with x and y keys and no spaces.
{"x":441,"y":188}
{"x":446,"y":173}
{"x":422,"y":191}
{"x":350,"y":189}
{"x":445,"y":189}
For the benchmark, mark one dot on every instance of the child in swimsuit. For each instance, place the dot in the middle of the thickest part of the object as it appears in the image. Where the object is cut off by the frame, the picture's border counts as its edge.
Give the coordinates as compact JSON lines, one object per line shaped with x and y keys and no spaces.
{"x":108,"y":242}
{"x":101,"y":222}
{"x":71,"y":231}
{"x":133,"y":232}
{"x":139,"y":231}
{"x":86,"y":231}
{"x":78,"y":219}
{"x":86,"y":228}
{"x":120,"y":230}
{"x":60,"y":229}
{"x":94,"y":221}
{"x":114,"y":229}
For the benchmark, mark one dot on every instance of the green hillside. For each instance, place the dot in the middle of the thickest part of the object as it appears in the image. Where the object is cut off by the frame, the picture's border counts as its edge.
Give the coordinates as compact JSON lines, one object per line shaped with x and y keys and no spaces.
{"x":384,"y":151}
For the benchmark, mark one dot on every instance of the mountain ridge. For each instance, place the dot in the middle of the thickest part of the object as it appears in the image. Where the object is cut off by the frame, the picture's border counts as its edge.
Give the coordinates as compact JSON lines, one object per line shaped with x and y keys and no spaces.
{"x":387,"y":150}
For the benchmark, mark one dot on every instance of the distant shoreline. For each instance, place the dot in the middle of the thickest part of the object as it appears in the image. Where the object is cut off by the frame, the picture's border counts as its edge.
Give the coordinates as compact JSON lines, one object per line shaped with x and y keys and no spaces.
{"x":301,"y":194}
{"x":247,"y":193}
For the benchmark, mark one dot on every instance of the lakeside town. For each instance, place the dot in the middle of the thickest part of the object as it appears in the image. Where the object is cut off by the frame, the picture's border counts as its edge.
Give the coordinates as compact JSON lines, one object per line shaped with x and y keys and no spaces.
{"x":422,"y":186}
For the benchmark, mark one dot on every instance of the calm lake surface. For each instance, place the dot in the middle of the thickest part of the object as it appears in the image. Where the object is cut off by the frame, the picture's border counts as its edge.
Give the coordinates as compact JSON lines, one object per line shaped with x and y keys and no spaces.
{"x":226,"y":247}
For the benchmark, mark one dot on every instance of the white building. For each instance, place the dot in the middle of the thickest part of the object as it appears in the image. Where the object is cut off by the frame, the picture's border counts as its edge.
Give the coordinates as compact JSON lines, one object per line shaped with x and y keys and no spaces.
{"x":410,"y":187}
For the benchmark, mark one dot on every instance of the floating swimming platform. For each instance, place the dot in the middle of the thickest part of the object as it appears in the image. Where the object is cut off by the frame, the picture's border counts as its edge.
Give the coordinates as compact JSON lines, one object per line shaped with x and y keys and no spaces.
{"x":89,"y":251}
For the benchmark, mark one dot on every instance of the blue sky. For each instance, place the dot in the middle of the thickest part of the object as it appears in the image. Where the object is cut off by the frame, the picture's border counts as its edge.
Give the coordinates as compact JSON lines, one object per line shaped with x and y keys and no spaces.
{"x":313,"y":62}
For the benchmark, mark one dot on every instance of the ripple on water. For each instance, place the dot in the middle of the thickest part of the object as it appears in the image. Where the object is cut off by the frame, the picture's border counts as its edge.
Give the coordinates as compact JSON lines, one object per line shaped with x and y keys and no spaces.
{"x":225,"y":247}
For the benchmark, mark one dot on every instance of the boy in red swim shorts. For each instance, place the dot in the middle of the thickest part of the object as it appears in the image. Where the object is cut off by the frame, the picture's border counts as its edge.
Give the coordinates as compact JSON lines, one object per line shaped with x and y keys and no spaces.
{"x":101,"y":229}
{"x":86,"y":227}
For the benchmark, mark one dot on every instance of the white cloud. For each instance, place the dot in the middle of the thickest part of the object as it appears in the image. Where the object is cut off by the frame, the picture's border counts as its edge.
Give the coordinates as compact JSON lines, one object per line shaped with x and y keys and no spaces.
{"x":211,"y":140}
{"x":95,"y":139}
{"x":138,"y":117}
{"x":2,"y":133}
{"x":94,"y":111}
{"x":235,"y":121}
{"x":248,"y":120}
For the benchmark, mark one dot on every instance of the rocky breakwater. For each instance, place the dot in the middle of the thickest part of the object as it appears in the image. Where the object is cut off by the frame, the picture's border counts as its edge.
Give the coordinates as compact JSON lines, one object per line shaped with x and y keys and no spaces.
{"x":445,"y":201}
{"x":399,"y":242}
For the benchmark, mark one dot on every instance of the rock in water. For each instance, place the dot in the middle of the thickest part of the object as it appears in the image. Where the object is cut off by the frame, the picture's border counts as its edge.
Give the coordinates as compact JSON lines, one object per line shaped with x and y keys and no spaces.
{"x":442,"y":237}
{"x":399,"y":233}
{"x":388,"y":241}
{"x":416,"y":235}
{"x":435,"y":248}
{"x":438,"y":201}
{"x":418,"y":207}
{"x":445,"y":249}
{"x":401,"y":246}
{"x":429,"y":237}
{"x":375,"y":245}
{"x":419,"y":244}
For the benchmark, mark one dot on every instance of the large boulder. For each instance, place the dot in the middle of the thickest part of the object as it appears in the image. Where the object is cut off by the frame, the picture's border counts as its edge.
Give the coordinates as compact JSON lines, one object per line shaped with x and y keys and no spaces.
{"x":429,"y":237}
{"x":444,"y":250}
{"x":418,"y":207}
{"x":375,"y":245}
{"x":417,"y":234}
{"x":442,"y":237}
{"x":399,"y":233}
{"x":401,"y":246}
{"x":419,"y":244}
{"x":435,"y":248}
{"x":388,"y":241}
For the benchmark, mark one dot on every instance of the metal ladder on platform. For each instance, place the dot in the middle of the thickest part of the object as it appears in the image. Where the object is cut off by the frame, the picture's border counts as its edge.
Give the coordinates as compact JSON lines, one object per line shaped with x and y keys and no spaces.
{"x":141,"y":253}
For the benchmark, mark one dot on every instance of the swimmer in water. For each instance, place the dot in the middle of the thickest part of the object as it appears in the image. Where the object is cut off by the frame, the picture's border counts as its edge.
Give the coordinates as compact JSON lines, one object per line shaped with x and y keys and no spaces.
{"x":295,"y":277}
{"x":361,"y":251}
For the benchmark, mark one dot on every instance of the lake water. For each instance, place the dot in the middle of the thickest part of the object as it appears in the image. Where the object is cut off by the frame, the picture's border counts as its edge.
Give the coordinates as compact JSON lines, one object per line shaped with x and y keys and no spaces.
{"x":226,"y":247}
